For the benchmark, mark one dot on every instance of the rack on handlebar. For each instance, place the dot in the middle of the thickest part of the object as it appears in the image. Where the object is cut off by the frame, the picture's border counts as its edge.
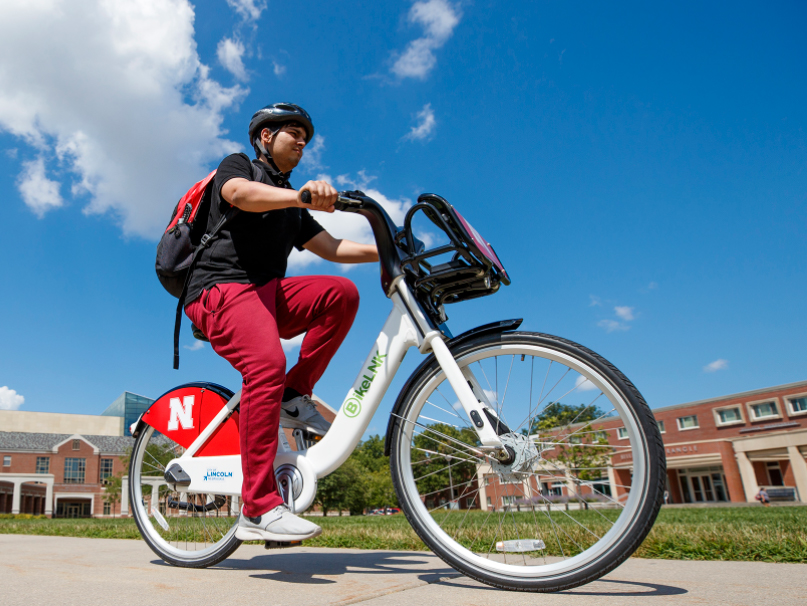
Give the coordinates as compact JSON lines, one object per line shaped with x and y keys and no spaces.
{"x":473,"y":271}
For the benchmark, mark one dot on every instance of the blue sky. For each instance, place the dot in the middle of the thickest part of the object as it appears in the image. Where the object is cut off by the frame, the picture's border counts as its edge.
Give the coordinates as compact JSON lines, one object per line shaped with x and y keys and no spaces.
{"x":640,"y":169}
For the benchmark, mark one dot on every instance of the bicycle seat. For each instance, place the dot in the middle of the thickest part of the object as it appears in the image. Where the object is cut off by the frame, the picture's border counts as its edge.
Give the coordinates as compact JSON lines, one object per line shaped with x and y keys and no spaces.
{"x":198,"y":334}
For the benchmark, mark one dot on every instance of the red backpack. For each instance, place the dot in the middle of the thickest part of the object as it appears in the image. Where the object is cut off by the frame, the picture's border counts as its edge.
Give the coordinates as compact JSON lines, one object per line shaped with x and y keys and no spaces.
{"x":184,"y":240}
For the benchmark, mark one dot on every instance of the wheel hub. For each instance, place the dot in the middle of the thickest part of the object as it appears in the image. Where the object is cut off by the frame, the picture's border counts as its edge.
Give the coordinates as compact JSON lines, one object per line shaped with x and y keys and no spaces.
{"x":523,"y":454}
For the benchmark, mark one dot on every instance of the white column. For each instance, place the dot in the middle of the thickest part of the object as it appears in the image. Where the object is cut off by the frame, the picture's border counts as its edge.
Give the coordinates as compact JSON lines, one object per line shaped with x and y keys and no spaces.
{"x":15,"y":499}
{"x":155,"y":496}
{"x":750,"y":485}
{"x":612,"y":483}
{"x":571,"y":488}
{"x":124,"y":496}
{"x":234,"y":509}
{"x":49,"y":497}
{"x":799,"y":466}
{"x":480,"y":479}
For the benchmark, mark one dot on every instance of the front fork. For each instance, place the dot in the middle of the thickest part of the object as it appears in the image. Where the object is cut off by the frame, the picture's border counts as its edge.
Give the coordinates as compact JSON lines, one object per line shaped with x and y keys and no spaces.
{"x":473,"y":399}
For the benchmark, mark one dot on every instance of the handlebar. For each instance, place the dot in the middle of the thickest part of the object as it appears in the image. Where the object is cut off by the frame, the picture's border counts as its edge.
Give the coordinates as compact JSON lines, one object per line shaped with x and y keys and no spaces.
{"x":341,"y":201}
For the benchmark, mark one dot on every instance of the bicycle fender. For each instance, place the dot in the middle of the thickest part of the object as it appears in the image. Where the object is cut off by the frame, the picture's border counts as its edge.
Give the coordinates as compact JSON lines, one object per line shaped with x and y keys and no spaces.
{"x":182,"y":413}
{"x":494,"y":327}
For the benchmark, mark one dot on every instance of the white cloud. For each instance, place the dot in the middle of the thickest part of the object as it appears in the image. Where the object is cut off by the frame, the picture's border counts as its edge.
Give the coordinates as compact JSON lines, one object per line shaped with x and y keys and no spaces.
{"x":719,"y":364}
{"x":583,"y":384}
{"x":289,"y":345}
{"x":10,"y":399}
{"x":626,"y":313}
{"x":438,"y":19}
{"x":38,"y":192}
{"x":312,"y":155}
{"x":425,"y":127}
{"x":230,"y":53}
{"x":248,"y":9}
{"x":197,"y":345}
{"x":595,"y":301}
{"x":114,"y":91}
{"x":612,"y":325}
{"x":350,"y":226}
{"x":278,"y":68}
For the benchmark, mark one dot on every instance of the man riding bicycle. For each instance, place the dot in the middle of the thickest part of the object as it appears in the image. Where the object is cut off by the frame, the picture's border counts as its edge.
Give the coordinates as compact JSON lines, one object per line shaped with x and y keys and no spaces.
{"x":240,"y":298}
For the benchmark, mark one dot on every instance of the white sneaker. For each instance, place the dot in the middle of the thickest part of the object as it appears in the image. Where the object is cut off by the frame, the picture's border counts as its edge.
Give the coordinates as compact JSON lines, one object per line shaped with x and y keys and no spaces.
{"x":302,"y":413}
{"x":279,"y":524}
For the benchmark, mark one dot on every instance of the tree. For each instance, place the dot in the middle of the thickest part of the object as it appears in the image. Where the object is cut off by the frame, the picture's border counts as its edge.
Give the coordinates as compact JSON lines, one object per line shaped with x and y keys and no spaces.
{"x":345,"y":488}
{"x":112,"y":490}
{"x":443,"y":468}
{"x":363,"y":481}
{"x":585,"y":459}
{"x":556,"y":414}
{"x":581,"y":451}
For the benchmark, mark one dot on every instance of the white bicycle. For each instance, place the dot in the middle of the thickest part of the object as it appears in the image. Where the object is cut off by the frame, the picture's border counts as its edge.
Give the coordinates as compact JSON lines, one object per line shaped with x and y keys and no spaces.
{"x":486,"y":479}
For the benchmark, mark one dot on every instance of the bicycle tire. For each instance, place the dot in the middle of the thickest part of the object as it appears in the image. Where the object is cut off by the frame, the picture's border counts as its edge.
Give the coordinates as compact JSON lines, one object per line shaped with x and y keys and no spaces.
{"x":219,"y":549}
{"x":634,"y":520}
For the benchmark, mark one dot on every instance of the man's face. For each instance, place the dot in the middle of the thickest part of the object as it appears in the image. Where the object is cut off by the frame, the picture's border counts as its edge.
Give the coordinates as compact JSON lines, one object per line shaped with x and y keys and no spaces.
{"x":286,"y":146}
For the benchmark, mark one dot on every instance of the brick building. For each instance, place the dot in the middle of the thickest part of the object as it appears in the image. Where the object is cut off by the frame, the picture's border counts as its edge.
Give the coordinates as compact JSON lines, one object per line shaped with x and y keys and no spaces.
{"x":718,"y":450}
{"x":725,"y":449}
{"x":61,"y":475}
{"x":45,"y":470}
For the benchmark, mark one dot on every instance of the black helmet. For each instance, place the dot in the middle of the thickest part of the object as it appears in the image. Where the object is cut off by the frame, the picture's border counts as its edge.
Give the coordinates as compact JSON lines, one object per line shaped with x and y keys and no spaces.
{"x":278,"y":114}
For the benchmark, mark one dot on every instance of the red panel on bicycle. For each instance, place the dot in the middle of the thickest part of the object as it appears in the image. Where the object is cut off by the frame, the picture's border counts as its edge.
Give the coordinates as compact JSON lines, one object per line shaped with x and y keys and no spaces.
{"x":183,"y":413}
{"x":225,"y":441}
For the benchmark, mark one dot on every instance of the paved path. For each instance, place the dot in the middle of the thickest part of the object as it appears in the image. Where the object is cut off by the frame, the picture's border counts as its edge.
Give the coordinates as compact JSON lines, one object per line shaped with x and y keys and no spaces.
{"x":65,"y":571}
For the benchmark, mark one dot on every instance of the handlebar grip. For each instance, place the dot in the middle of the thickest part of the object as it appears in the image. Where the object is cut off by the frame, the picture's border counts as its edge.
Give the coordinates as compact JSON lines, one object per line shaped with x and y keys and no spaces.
{"x":305,"y":197}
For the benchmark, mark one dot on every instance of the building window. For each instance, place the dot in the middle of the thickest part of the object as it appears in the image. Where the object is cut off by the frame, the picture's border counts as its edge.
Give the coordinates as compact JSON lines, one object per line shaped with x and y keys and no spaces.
{"x":575,"y":439}
{"x":600,"y":435}
{"x":798,"y":406}
{"x":7,"y":461}
{"x":74,"y":471}
{"x":106,"y":469}
{"x":622,"y":433}
{"x":43,"y":465}
{"x":764,"y":410}
{"x":729,"y":416}
{"x":690,"y":422}
{"x":489,"y":503}
{"x":76,"y":444}
{"x":470,"y":502}
{"x":661,"y":427}
{"x":107,"y":509}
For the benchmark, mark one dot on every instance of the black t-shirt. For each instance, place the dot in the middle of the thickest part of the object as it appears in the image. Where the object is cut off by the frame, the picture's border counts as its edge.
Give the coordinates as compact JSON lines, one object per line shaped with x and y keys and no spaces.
{"x":252,"y":248}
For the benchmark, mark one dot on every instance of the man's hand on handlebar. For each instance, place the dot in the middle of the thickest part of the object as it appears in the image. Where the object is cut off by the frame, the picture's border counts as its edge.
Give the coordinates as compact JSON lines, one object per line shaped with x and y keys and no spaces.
{"x":321,"y":194}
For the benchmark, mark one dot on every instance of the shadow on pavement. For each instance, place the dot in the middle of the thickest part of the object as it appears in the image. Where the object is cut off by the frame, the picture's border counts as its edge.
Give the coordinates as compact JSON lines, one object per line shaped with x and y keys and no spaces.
{"x":304,"y":567}
{"x":641,"y":591}
{"x":310,"y":568}
{"x":657,"y":590}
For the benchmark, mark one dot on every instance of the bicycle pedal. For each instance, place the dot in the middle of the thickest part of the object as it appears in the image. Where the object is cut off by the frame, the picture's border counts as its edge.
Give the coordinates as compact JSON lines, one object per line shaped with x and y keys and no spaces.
{"x":281,"y":544}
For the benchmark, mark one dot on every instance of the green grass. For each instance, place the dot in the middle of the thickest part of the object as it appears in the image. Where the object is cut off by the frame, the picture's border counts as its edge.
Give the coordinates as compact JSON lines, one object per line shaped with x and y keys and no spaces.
{"x":776,"y":534}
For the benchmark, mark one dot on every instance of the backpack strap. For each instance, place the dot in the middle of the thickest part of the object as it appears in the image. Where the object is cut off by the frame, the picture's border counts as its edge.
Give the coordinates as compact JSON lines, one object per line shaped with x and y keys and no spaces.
{"x":257,"y":175}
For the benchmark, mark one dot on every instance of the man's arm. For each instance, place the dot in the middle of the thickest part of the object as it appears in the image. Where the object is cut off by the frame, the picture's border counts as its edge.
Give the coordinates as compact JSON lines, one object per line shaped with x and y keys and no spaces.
{"x":255,"y":197}
{"x":341,"y":251}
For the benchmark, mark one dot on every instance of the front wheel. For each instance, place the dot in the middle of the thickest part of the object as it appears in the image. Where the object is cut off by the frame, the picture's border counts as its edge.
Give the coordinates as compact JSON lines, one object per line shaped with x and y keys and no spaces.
{"x":584,"y":483}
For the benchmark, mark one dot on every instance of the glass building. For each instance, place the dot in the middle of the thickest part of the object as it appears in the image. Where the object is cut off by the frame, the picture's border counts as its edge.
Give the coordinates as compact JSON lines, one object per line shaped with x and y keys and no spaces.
{"x":129,"y":406}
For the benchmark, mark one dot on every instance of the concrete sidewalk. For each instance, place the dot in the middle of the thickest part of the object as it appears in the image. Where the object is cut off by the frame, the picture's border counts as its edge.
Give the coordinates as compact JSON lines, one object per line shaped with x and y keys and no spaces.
{"x":38,"y":570}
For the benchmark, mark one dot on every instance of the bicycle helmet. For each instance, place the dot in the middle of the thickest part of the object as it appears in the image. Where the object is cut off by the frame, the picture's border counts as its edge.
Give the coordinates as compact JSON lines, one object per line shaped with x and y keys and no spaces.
{"x":274,"y":116}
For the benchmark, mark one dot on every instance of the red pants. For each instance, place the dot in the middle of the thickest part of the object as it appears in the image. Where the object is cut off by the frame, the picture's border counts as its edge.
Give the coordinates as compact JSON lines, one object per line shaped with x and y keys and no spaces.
{"x":245,"y":323}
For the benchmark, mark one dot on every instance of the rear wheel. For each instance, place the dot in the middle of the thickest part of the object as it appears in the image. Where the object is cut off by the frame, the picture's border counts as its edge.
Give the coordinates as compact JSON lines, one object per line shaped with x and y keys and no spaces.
{"x":586,"y":478}
{"x":189,"y":530}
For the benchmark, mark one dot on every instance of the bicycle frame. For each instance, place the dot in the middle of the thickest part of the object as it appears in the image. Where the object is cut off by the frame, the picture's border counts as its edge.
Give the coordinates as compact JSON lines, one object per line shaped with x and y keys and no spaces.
{"x":405,"y":327}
